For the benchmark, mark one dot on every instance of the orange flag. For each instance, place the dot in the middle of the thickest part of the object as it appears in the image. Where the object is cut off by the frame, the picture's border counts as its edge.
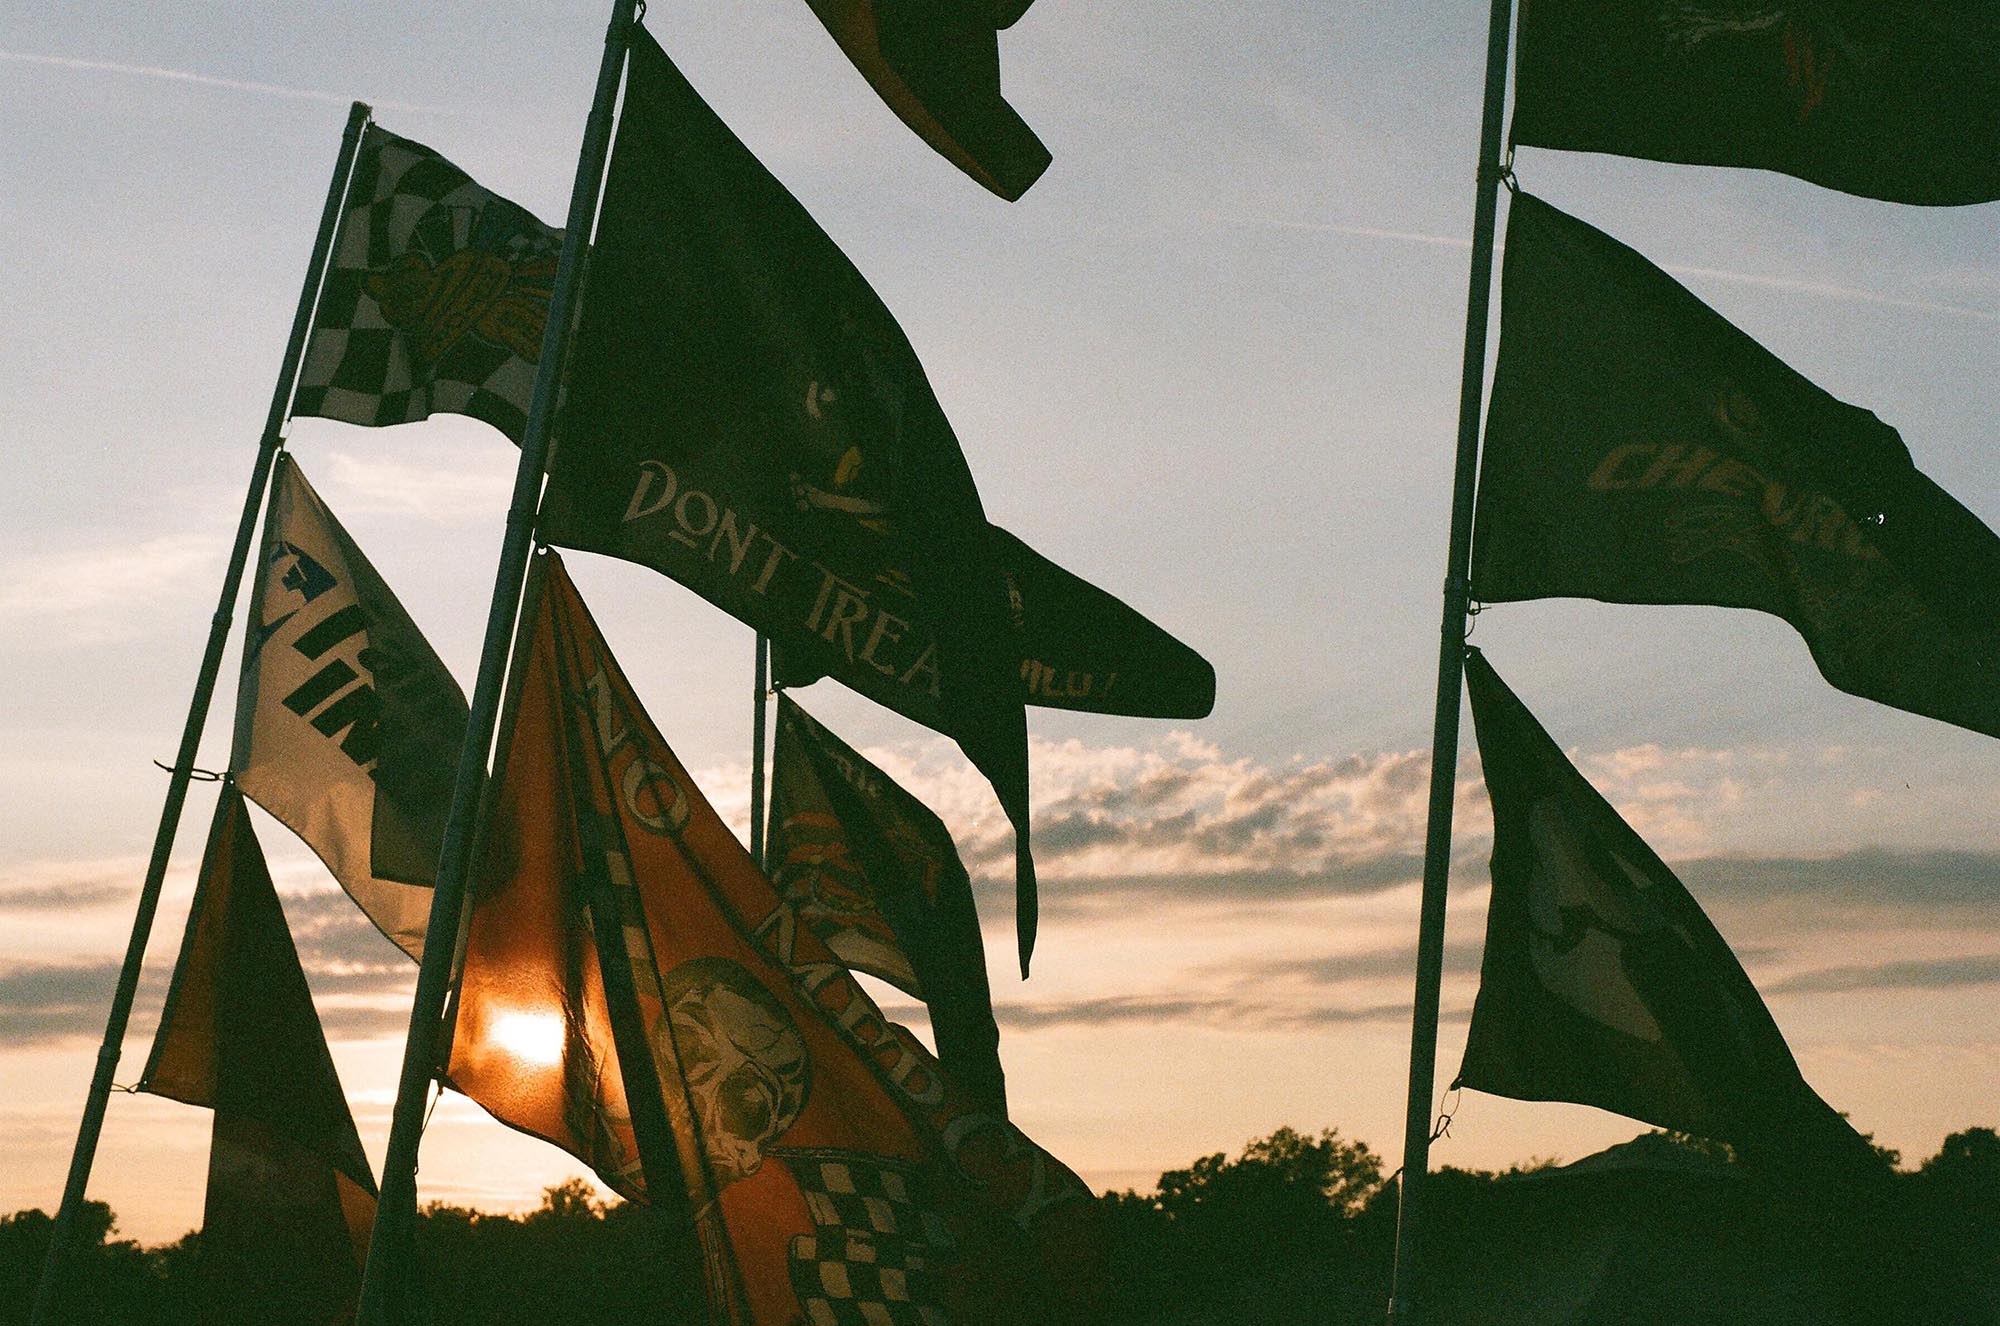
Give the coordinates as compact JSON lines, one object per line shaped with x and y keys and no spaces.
{"x":290,"y":1199}
{"x":835,"y":1174}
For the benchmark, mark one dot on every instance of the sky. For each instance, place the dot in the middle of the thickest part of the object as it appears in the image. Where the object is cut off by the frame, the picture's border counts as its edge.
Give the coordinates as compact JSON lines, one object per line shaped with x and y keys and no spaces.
{"x":1209,"y":362}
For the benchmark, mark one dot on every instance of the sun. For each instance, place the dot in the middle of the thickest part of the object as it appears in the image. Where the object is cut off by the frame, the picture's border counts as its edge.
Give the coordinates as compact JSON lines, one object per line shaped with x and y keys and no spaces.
{"x":532,"y":1038}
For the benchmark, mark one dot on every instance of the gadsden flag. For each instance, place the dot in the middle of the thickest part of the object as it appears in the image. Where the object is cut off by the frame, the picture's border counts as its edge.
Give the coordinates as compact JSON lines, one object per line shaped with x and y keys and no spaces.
{"x":347,"y":723}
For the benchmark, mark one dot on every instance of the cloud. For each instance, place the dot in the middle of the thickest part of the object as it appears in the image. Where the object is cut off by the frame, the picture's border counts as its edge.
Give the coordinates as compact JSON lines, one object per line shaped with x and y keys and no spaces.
{"x":1871,"y":879}
{"x":208,"y":80}
{"x":71,"y":886}
{"x":1907,"y":974}
{"x":42,"y":1002}
{"x":397,"y":486}
{"x":93,"y":591}
{"x":1845,"y":294}
{"x":1230,"y":1014}
{"x":1149,"y":817}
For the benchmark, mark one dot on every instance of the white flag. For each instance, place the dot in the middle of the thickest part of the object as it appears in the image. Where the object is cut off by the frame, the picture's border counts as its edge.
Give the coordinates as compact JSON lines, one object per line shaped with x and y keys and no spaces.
{"x":347,"y":724}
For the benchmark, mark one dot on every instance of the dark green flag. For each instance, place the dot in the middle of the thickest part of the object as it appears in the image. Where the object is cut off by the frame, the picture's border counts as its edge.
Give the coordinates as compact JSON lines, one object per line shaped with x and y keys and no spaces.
{"x":1640,"y":449}
{"x":291,"y":1201}
{"x":875,"y":874}
{"x":1077,"y":646}
{"x":745,"y":416}
{"x":1893,"y":99}
{"x":936,"y":63}
{"x":1603,"y":983}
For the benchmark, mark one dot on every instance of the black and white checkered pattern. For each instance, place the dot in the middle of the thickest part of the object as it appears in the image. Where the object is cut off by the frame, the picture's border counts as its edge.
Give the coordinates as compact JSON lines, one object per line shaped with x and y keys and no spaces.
{"x":877,"y":1256}
{"x":435,"y":297}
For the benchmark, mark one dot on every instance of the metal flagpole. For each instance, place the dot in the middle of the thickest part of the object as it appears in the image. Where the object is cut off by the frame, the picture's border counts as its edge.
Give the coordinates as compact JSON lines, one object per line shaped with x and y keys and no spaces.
{"x":760,"y":696}
{"x":391,"y":1244}
{"x":1451,"y":678}
{"x":197,"y":718}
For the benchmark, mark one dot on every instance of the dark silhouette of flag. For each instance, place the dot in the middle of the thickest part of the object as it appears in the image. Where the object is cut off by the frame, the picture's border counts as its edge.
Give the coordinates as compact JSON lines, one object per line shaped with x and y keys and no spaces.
{"x":1640,"y":449}
{"x":746,"y":417}
{"x":874,"y":873}
{"x":1077,"y":646}
{"x":936,"y":63}
{"x":347,"y":722}
{"x":290,"y":1199}
{"x":1603,"y":983}
{"x":1893,"y":99}
{"x":835,"y":1170}
{"x":436,"y":297}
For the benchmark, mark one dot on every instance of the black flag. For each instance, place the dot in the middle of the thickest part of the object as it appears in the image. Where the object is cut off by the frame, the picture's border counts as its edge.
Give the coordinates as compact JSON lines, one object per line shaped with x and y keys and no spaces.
{"x":937,"y":65}
{"x":745,"y":416}
{"x":290,"y":1199}
{"x":1640,"y":449}
{"x":875,"y":874}
{"x":1077,"y":646}
{"x":1894,"y":99}
{"x":1603,"y":983}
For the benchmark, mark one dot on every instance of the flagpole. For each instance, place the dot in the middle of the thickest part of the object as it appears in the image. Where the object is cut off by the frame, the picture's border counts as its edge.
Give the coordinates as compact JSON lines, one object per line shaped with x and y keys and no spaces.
{"x":760,"y":696}
{"x":1407,"y":1272}
{"x":273,"y":439}
{"x":395,"y":1221}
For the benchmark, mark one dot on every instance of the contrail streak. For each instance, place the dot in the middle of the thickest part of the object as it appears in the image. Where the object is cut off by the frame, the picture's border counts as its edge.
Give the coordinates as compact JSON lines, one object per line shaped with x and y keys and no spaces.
{"x":1848,"y":294}
{"x":207,"y":80}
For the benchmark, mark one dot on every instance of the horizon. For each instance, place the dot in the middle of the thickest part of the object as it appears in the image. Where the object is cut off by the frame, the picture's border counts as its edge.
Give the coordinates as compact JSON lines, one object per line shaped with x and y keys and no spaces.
{"x":1210,"y":362}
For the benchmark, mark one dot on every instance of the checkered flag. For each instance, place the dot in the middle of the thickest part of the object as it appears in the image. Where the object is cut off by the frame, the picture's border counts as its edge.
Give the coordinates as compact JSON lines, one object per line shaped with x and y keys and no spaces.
{"x":877,"y":1256}
{"x":434,"y":301}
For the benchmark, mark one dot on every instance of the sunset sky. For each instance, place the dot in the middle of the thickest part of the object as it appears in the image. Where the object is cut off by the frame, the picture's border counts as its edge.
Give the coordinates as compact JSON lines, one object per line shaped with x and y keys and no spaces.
{"x":1210,"y":362}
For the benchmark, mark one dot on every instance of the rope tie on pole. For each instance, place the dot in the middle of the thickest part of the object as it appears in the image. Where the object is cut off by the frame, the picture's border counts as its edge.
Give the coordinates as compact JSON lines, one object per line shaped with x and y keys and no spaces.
{"x":194,"y":773}
{"x":1447,"y":1110}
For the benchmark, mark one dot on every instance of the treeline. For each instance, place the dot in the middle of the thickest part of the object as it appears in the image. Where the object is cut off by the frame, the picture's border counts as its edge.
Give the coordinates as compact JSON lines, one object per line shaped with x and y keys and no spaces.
{"x":1293,"y":1229}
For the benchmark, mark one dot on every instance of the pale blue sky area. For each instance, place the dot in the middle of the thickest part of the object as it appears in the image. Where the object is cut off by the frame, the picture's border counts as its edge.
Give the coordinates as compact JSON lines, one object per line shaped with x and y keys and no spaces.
{"x":1210,"y":361}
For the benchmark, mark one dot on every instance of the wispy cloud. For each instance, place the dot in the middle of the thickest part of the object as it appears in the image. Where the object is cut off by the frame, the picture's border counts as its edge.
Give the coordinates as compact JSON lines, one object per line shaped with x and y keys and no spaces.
{"x":1791,"y":285}
{"x":1907,"y":974}
{"x":432,"y":492}
{"x":207,"y":80}
{"x":94,"y":589}
{"x":1842,"y":293}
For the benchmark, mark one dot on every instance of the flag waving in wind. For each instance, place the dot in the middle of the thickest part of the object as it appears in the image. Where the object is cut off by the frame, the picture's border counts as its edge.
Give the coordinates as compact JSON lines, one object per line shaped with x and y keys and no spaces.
{"x":1077,"y":647}
{"x":1640,"y":449}
{"x":1893,"y":99}
{"x":875,"y":875}
{"x":435,"y":300}
{"x":937,"y":65}
{"x":347,"y":723}
{"x":1603,"y":983}
{"x":835,"y":1171}
{"x":290,"y":1199}
{"x":744,"y":415}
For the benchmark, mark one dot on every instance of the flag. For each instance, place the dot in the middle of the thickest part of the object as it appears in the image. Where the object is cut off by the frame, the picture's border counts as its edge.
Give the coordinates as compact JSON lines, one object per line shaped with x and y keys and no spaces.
{"x":1076,"y":646}
{"x":291,"y":1199}
{"x":347,"y":724}
{"x":1640,"y":449}
{"x":1603,"y":983}
{"x":435,"y":298}
{"x":872,"y":872}
{"x":936,"y":63}
{"x":836,"y":1172}
{"x":1893,"y":99}
{"x":745,"y":416}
